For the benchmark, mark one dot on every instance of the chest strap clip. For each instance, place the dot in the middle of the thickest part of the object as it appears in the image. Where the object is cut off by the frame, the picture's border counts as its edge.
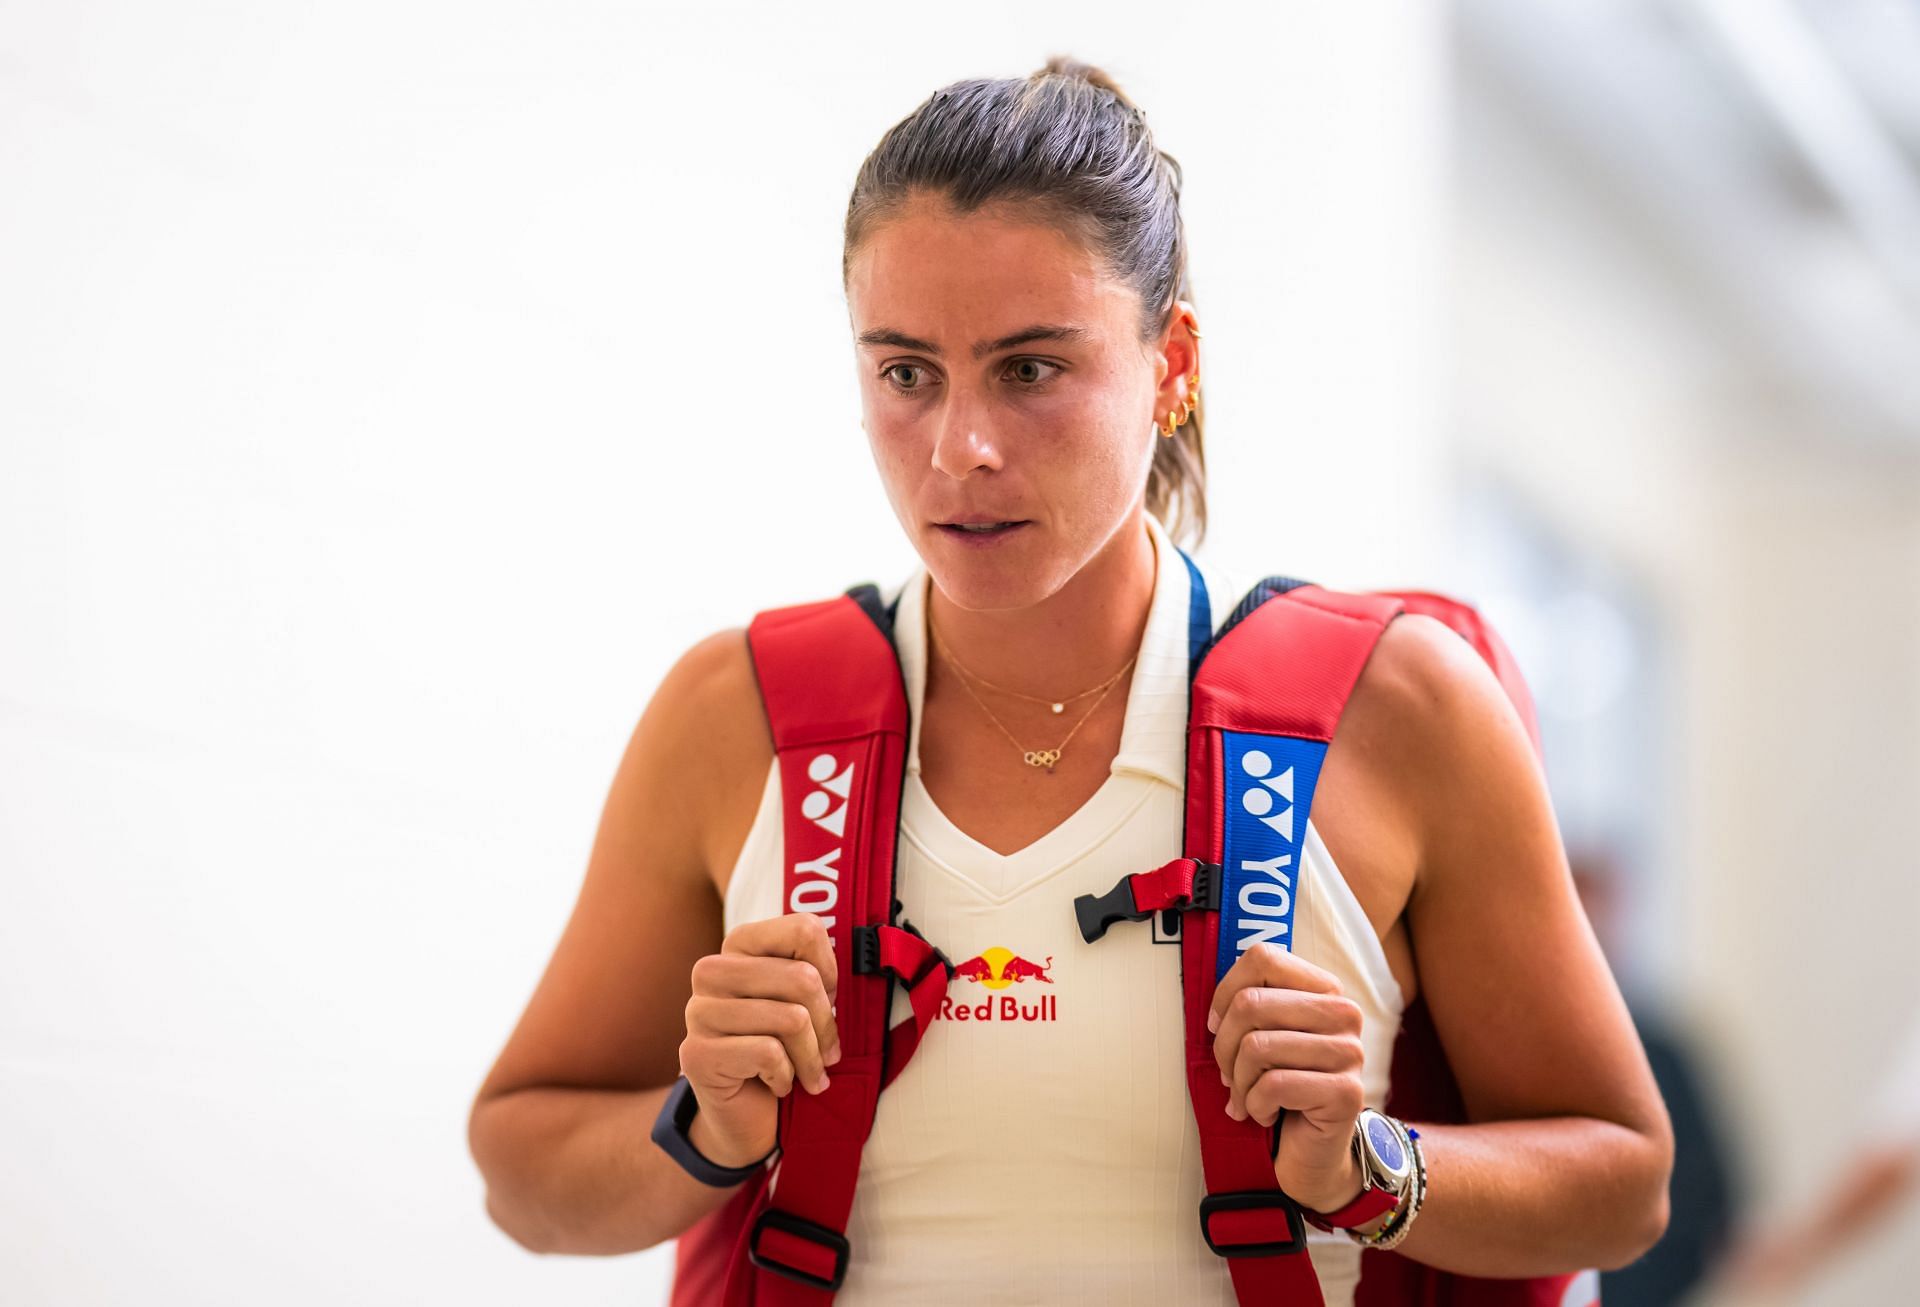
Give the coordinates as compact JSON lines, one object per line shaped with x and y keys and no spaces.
{"x":1182,"y":883}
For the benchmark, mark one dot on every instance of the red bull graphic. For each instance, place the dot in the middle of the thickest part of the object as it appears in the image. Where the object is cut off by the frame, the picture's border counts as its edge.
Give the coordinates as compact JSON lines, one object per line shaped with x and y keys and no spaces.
{"x":975,"y":969}
{"x":1018,"y":969}
{"x":999,"y":969}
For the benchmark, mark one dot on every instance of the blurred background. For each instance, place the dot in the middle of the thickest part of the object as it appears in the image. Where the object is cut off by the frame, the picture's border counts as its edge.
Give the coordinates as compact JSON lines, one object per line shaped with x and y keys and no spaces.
{"x":389,"y":393}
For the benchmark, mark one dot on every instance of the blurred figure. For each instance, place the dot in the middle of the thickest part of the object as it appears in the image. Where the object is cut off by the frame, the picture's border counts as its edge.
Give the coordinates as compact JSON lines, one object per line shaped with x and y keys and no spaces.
{"x":1704,"y":1184}
{"x":1873,"y":1183}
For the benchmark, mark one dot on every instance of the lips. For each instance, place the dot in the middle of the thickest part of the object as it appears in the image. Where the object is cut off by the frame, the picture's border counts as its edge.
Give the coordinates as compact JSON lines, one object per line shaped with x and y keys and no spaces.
{"x":982,"y":529}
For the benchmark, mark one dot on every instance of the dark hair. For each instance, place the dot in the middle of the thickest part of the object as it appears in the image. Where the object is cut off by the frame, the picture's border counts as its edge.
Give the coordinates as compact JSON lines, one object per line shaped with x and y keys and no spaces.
{"x":1068,"y":143}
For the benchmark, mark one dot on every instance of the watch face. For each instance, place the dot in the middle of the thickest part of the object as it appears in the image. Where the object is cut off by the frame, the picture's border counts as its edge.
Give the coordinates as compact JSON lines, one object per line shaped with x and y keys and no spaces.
{"x":1386,"y":1144}
{"x":1387,"y":1151}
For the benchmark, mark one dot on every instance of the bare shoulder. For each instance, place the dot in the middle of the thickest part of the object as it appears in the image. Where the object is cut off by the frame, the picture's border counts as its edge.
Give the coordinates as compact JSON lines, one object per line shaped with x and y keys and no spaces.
{"x":1437,"y":722}
{"x":608,"y":1010}
{"x":704,"y":737}
{"x":1421,"y":665}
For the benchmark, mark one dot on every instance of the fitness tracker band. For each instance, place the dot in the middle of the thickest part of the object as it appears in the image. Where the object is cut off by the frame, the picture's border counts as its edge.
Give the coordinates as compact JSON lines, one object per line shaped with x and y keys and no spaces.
{"x":670,"y":1132}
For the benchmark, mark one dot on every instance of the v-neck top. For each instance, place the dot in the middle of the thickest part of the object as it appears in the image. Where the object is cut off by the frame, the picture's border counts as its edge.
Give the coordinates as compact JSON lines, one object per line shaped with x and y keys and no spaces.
{"x":1040,"y":1147}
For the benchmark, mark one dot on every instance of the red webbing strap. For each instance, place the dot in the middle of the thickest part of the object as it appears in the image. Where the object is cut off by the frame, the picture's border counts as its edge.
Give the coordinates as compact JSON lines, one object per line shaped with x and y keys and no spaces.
{"x":925,"y":971}
{"x":1169,"y":885}
{"x":1286,"y":668}
{"x":837,"y":707}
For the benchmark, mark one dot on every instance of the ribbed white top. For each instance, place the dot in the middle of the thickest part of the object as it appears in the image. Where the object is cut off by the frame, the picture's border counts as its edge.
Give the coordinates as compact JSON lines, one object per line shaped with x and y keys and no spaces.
{"x":1045,"y":1151}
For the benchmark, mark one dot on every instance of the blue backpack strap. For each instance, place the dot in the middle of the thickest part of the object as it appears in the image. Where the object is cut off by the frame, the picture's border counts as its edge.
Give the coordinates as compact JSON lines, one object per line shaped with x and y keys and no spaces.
{"x":1199,"y":615}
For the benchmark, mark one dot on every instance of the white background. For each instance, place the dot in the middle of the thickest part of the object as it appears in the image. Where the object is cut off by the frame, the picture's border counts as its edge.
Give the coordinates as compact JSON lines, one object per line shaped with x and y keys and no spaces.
{"x":388,"y":393}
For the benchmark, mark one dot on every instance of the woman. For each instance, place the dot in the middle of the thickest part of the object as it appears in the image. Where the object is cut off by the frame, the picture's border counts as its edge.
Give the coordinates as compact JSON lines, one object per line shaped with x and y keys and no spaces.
{"x":1029,"y":361}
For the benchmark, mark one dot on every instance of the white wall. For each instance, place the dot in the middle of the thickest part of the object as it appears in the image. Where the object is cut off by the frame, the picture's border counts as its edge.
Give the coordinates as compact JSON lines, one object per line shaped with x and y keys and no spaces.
{"x":1783,"y":548}
{"x":390,"y":392}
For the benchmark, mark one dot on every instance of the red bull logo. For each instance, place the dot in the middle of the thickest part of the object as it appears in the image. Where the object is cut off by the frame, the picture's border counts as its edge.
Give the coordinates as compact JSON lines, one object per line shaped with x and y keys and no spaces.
{"x":999,"y":969}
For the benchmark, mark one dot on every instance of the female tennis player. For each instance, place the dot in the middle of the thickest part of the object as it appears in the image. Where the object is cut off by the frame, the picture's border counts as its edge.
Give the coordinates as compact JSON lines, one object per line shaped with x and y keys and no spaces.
{"x":1029,"y":361}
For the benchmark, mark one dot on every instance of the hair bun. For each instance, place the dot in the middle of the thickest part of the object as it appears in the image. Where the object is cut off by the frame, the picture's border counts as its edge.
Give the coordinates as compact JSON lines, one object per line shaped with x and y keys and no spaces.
{"x":1063,"y":65}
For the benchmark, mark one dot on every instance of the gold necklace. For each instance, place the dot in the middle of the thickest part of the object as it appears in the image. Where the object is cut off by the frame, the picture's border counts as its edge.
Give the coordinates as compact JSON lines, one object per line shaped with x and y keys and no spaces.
{"x":1045,"y":758}
{"x":1056,"y":705}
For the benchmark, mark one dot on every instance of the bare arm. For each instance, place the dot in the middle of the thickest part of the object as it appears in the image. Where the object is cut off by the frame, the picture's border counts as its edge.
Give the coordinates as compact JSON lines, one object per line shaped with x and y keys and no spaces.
{"x":1566,"y":1162}
{"x":574,"y":1171}
{"x":560,"y":1129}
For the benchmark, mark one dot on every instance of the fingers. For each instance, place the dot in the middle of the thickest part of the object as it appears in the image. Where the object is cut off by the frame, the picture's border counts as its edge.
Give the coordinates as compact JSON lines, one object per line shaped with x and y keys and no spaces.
{"x":1286,"y":1071}
{"x":791,"y":1025}
{"x":729,"y":1061}
{"x":763,"y":1006}
{"x":1269,"y":965}
{"x":1265,"y":1027}
{"x":731,"y":991}
{"x":1282,"y":1009}
{"x":796,"y":935}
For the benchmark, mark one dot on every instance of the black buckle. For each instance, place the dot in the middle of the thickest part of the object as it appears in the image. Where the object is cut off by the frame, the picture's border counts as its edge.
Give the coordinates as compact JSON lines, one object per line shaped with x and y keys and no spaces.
{"x":1096,"y":912}
{"x":1239,"y":1200}
{"x":812,"y":1231}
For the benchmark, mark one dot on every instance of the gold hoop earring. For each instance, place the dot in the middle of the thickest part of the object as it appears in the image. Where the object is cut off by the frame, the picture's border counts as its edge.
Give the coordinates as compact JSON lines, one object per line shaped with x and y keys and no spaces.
{"x":1186,"y":406}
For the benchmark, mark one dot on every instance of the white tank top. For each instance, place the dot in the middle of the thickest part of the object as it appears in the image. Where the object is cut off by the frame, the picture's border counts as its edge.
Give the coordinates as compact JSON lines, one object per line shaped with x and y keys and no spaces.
{"x":1039,"y":1147}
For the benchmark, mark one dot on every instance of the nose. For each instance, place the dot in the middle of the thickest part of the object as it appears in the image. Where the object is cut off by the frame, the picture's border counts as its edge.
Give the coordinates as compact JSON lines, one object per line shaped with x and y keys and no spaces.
{"x":963,"y":444}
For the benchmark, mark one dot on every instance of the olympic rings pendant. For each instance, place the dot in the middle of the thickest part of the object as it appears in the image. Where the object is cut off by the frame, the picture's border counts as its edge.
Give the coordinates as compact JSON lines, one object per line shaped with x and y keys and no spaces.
{"x":1042,"y":758}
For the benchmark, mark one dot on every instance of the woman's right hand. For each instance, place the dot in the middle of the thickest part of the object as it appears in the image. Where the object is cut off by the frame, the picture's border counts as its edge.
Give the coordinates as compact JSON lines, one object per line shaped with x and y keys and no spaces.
{"x":760,"y":1019}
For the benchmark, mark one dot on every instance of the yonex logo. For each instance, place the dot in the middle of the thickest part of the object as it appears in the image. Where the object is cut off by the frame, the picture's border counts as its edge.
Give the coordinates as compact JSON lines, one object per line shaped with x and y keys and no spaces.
{"x":816,"y":885}
{"x":1271,"y":779}
{"x":818,"y":806}
{"x":1259,"y":799}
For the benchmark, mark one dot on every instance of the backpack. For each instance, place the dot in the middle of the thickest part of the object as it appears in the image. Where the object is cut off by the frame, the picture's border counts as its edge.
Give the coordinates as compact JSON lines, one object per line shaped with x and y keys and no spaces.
{"x":836,"y":702}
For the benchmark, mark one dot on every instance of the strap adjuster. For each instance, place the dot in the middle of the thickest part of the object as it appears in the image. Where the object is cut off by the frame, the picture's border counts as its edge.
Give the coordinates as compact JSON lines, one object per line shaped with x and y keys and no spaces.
{"x":866,"y":950}
{"x":1240,"y":1200}
{"x":1096,"y":912}
{"x":811,"y":1231}
{"x":867,"y":958}
{"x":938,"y":955}
{"x":1206,"y":886}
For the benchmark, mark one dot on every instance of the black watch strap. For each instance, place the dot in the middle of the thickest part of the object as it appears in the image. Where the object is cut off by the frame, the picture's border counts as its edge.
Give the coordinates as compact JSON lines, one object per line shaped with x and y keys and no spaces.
{"x":670,"y":1132}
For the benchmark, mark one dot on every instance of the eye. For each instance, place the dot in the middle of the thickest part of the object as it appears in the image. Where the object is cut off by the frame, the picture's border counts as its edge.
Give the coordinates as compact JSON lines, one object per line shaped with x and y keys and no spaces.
{"x":886,"y":374}
{"x":1030,"y":381}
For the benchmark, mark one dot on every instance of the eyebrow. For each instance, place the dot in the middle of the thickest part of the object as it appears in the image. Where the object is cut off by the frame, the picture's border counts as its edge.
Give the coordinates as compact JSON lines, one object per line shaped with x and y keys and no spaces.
{"x":900,"y":339}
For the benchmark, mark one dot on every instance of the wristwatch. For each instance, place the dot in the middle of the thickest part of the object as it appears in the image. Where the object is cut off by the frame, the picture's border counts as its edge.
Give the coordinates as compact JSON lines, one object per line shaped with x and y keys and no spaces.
{"x":1384,"y":1150}
{"x":670,"y":1132}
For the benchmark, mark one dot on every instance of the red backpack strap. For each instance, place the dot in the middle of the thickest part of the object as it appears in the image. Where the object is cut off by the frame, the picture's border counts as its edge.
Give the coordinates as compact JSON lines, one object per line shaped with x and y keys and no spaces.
{"x":1267,"y":694}
{"x":837,"y":708}
{"x":1266,"y":701}
{"x":1254,"y":746}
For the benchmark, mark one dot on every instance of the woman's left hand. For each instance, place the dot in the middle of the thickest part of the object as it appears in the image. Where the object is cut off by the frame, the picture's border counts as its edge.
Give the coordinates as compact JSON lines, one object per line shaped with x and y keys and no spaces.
{"x":1288,"y":1040}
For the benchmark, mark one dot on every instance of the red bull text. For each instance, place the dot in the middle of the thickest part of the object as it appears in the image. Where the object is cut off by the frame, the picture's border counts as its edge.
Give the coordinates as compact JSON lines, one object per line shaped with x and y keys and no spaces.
{"x":1001,"y":969}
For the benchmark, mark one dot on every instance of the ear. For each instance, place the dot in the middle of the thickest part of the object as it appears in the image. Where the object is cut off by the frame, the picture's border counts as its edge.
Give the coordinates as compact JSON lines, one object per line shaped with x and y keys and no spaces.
{"x":1178,"y":364}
